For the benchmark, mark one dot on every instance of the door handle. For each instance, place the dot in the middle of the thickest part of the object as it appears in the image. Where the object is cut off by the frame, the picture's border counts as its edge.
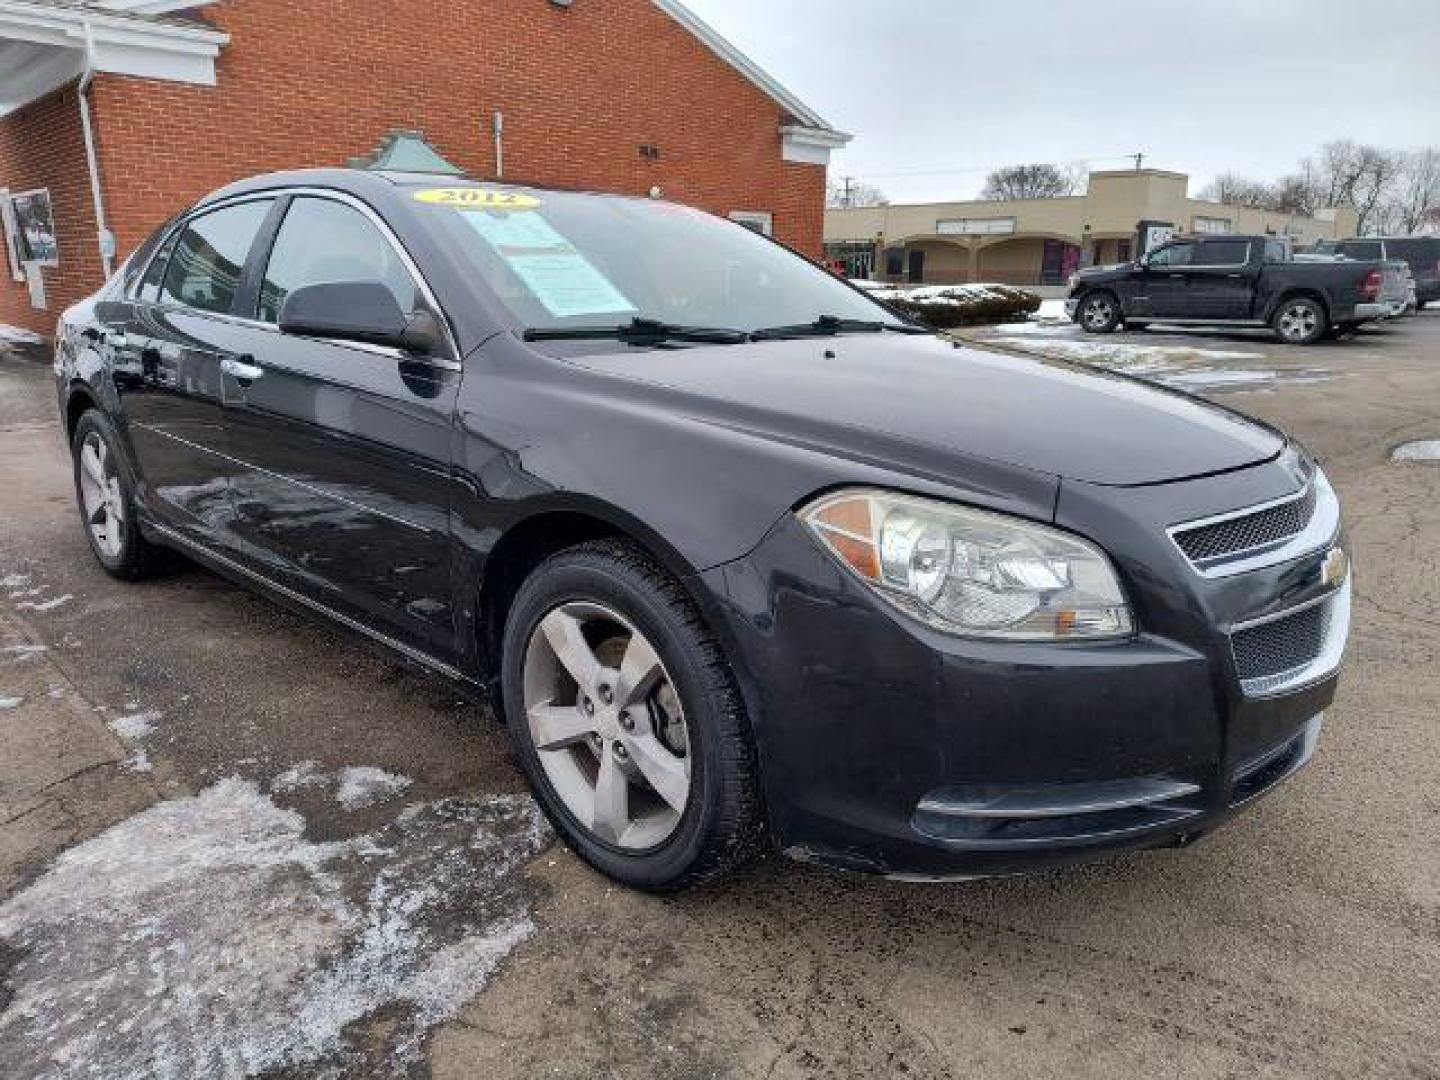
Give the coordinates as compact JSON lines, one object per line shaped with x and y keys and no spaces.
{"x":241,"y":368}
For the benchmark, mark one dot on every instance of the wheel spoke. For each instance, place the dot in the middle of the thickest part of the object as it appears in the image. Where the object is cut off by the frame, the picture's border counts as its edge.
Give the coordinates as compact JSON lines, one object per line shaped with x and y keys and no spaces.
{"x":557,"y":726}
{"x":94,"y":467}
{"x":640,"y":672}
{"x":117,"y":502}
{"x":611,"y":816}
{"x":566,"y":638}
{"x":664,"y":771}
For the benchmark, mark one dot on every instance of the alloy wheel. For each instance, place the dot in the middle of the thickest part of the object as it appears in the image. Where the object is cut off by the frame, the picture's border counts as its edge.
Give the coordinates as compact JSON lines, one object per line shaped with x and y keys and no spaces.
{"x":1098,"y":313}
{"x":101,"y":497}
{"x":606,"y":722}
{"x":1298,"y":322}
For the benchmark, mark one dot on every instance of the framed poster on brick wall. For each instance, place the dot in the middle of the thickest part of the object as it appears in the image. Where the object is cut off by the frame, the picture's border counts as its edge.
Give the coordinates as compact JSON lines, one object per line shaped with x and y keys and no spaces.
{"x":35,"y":227}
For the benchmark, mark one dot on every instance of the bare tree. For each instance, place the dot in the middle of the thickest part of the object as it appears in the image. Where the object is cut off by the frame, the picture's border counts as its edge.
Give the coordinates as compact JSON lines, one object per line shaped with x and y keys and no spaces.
{"x":1041,"y":181}
{"x":1235,"y":190}
{"x":847,"y":193}
{"x":1417,"y":190}
{"x":1348,"y":173}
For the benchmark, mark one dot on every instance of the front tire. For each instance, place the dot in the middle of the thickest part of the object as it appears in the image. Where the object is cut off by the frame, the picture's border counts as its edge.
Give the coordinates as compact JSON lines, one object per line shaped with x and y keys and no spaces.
{"x":1099,"y":313}
{"x":1300,"y":321}
{"x":104,"y":489}
{"x":627,"y":720}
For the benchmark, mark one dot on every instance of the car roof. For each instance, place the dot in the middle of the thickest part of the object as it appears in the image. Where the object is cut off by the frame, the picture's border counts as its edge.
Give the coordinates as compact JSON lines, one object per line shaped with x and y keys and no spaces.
{"x":360,"y":182}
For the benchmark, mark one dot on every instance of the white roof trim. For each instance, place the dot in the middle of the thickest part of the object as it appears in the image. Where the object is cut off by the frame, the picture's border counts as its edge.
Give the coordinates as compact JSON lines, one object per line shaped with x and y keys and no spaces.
{"x":69,"y":24}
{"x":52,"y":41}
{"x":807,"y":117}
{"x":810,"y":146}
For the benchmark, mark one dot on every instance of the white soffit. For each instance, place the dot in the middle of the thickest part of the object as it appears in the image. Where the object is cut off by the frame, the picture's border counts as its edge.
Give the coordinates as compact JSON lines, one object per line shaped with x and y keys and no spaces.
{"x":808,"y":137}
{"x":43,"y":46}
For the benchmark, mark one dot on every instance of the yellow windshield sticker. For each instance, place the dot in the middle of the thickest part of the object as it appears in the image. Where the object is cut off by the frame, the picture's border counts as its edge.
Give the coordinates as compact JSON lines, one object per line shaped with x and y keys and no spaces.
{"x":469,"y":198}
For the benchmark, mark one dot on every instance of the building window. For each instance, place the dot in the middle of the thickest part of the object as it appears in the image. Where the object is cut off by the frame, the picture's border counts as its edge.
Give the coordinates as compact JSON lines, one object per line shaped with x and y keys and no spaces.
{"x":1122,"y":251}
{"x":760,"y":221}
{"x":34,"y":228}
{"x":988,"y":226}
{"x":854,"y":260}
{"x":894,"y":262}
{"x":1212,"y":225}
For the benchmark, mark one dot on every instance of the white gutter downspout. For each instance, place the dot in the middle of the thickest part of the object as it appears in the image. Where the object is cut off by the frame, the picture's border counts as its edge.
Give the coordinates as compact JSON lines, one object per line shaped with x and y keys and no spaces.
{"x":106,"y":241}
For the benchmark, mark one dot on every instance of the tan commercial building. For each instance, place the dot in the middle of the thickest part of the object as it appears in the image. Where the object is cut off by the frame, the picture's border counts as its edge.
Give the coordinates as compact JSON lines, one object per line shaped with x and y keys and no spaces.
{"x":1043,"y":241}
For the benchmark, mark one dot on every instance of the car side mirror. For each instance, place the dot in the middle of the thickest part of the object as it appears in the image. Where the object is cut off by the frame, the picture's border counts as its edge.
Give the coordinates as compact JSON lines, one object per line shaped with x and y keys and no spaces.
{"x":363,"y":311}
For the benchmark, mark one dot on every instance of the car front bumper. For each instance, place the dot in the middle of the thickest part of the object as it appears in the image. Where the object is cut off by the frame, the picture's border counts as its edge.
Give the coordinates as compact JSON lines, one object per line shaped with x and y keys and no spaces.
{"x":888,"y":747}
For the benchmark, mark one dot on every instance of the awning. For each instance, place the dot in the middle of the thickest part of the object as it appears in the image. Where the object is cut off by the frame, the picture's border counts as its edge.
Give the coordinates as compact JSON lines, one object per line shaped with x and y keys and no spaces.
{"x":43,"y":46}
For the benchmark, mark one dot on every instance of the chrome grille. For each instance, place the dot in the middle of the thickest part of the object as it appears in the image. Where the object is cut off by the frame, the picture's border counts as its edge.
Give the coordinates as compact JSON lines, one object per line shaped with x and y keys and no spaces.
{"x":1281,"y":646}
{"x":1248,"y":532}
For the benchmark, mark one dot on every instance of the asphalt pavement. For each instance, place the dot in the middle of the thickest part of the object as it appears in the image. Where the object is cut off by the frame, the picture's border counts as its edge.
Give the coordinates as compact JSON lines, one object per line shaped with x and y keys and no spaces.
{"x":234,"y":840}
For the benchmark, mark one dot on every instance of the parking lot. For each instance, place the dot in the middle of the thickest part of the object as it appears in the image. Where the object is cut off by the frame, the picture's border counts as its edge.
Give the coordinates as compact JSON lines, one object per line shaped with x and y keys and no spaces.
{"x":322,"y":862}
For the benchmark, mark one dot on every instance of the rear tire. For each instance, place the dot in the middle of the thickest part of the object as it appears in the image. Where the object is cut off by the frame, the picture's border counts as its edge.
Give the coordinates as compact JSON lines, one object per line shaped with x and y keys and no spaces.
{"x":105,"y":492}
{"x":1098,"y":313}
{"x":1300,"y":321}
{"x":613,"y":611}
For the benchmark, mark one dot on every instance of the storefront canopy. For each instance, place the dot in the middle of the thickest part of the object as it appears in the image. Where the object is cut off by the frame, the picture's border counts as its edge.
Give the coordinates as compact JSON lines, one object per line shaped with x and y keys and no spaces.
{"x":45,"y":45}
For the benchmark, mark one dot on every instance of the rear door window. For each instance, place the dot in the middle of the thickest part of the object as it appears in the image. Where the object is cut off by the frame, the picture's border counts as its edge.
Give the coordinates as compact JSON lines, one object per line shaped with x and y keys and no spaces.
{"x":204,"y":270}
{"x":1223,"y":253}
{"x":325,"y":242}
{"x":1363,"y":250}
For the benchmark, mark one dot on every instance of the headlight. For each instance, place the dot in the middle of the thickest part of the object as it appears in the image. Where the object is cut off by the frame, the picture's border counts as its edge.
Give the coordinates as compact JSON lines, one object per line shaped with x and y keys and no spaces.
{"x":972,"y":572}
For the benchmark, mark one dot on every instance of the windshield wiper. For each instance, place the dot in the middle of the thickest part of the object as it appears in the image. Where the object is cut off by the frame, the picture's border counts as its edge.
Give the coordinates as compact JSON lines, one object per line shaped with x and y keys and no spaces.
{"x":639,"y":332}
{"x":829,"y":325}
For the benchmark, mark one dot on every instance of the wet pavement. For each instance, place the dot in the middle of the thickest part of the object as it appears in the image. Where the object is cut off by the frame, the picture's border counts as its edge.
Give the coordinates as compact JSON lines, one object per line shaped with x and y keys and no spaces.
{"x":323,"y":862}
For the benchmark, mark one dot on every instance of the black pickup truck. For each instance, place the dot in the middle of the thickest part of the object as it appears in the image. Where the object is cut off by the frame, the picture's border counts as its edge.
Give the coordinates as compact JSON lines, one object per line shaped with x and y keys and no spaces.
{"x":1245,"y":281}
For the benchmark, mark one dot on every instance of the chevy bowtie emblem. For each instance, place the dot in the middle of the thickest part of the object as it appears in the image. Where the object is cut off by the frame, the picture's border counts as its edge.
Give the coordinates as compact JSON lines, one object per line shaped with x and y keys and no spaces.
{"x":1337,"y":566}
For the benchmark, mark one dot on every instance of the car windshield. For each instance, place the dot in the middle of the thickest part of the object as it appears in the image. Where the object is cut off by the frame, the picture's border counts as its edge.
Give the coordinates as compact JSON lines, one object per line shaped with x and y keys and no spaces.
{"x":565,"y":261}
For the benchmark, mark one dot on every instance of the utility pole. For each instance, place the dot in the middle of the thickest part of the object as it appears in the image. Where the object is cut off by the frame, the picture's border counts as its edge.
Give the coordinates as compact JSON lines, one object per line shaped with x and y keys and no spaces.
{"x":1139,"y":161}
{"x":845,"y":196}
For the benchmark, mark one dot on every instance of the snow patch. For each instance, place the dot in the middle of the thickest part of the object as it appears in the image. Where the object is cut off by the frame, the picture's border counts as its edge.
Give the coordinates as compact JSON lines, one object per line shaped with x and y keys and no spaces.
{"x":1180,"y":367}
{"x":13,"y":335}
{"x":24,"y":652}
{"x":206,"y":936}
{"x":1424,"y":450}
{"x":140,"y":725}
{"x":45,"y":605}
{"x":15,"y":581}
{"x":365,"y":785}
{"x":11,"y":702}
{"x":306,"y":774}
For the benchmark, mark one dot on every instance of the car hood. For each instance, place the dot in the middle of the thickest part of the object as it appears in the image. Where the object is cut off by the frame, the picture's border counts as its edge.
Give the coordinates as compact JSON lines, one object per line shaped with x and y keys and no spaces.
{"x":1049,"y":416}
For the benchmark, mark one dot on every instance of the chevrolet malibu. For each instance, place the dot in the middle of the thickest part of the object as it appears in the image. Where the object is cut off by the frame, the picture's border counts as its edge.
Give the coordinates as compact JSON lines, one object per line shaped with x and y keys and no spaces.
{"x":743,"y":558}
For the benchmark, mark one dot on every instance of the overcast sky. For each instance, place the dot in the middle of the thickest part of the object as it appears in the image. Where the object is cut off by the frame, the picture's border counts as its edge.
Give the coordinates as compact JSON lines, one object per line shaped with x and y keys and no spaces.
{"x":952,"y":88}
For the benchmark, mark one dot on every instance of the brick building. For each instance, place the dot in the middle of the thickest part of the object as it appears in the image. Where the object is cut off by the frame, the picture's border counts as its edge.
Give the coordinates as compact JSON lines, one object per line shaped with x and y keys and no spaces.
{"x":114,"y":114}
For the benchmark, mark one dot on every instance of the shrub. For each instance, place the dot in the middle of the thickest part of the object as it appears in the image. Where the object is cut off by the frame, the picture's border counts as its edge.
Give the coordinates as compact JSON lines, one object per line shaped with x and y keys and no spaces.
{"x":946,"y":306}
